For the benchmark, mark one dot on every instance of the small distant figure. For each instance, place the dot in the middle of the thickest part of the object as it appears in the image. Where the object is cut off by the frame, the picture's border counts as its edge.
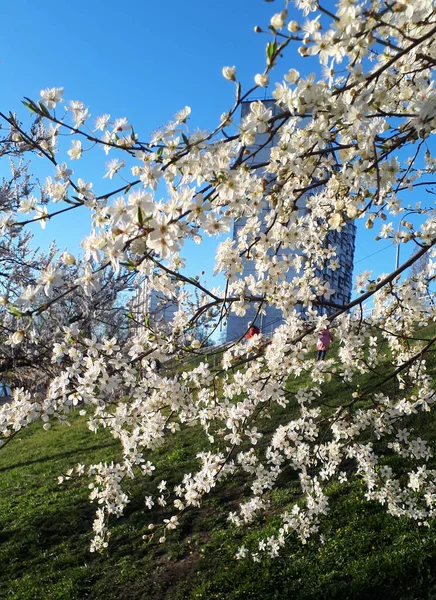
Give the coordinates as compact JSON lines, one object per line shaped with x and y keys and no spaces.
{"x":252,"y":332}
{"x":325,"y":338}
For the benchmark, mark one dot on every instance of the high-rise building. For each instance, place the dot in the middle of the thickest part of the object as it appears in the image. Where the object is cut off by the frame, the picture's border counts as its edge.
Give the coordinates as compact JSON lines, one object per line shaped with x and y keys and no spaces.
{"x":152,"y":306}
{"x":340,"y":279}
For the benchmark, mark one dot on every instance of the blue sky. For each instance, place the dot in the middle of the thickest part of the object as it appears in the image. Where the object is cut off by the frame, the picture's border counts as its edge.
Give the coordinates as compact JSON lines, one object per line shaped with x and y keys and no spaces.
{"x":143,"y":60}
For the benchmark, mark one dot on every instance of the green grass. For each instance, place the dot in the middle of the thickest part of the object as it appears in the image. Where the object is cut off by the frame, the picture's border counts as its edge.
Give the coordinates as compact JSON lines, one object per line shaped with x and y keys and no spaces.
{"x":45,"y":531}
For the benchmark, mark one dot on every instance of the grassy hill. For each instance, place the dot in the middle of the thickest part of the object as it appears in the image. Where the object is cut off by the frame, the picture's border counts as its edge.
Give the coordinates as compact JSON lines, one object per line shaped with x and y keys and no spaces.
{"x":45,"y":530}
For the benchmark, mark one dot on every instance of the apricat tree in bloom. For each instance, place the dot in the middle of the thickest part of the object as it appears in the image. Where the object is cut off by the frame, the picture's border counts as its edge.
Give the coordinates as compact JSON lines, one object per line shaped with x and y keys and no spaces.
{"x":353,"y":143}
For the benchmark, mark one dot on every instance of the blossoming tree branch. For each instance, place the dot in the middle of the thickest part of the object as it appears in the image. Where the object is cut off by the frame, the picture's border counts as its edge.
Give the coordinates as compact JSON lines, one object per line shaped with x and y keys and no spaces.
{"x":353,"y":145}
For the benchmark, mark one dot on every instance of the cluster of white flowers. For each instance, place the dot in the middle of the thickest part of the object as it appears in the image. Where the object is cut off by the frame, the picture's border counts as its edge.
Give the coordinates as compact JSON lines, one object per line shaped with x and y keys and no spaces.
{"x":350,"y":145}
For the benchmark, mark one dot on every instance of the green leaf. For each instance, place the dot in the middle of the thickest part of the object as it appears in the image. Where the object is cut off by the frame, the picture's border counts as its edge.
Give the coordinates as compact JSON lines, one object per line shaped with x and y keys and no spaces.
{"x":270,"y":51}
{"x":43,"y":109}
{"x":29,"y":104}
{"x":140,"y":216}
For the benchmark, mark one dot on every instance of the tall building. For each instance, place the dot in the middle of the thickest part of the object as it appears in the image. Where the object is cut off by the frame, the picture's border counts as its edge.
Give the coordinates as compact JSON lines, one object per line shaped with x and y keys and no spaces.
{"x":340,"y":279}
{"x":151,"y":305}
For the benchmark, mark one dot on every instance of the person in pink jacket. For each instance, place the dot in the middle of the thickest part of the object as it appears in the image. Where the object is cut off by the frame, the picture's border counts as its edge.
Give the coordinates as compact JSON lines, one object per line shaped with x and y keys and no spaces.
{"x":325,"y":338}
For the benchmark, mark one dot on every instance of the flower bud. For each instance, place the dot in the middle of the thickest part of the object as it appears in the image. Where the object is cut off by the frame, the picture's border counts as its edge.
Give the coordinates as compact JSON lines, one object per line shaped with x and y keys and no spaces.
{"x":17,"y":337}
{"x":293,"y":26}
{"x":303,"y":51}
{"x":399,"y":7}
{"x":352,"y":211}
{"x":336,"y":220}
{"x":68,"y":259}
{"x":278,"y":20}
{"x":229,"y":73}
{"x":261,"y":79}
{"x":292,"y":76}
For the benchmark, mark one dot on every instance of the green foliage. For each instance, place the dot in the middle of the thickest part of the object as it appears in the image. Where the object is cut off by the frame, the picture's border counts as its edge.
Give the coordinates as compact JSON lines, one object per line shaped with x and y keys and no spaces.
{"x":371,"y":556}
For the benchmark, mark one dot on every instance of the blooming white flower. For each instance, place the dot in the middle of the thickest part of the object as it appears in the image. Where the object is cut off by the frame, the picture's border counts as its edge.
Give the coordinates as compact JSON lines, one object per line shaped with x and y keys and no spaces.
{"x":84,"y":190}
{"x":51,"y":96}
{"x":27,"y":205}
{"x":76,"y":151}
{"x":113,"y":167}
{"x":42,"y":215}
{"x":63,"y":173}
{"x":50,"y":278}
{"x":162,"y":485}
{"x":101,"y":122}
{"x":56,"y":190}
{"x":183,"y":114}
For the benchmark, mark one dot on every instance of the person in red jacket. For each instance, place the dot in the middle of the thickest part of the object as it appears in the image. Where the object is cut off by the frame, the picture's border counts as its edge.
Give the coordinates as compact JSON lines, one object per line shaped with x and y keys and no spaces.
{"x":252,"y":332}
{"x":325,"y":338}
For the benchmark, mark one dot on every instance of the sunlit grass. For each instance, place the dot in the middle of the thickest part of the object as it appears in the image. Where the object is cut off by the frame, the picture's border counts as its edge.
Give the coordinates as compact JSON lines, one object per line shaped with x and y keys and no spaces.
{"x":45,"y":530}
